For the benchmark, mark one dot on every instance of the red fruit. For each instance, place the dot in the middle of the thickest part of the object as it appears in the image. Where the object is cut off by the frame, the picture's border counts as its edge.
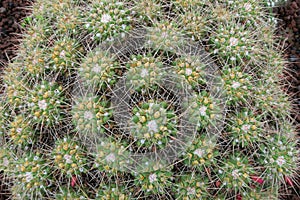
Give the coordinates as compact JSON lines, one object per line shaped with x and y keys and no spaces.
{"x":73,"y":181}
{"x":257,"y":179}
{"x":218,"y":183}
{"x":288,"y":181}
{"x":239,"y":197}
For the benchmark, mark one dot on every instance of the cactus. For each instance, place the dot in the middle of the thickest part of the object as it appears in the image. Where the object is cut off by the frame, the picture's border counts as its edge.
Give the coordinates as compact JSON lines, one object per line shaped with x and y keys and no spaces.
{"x":147,"y":99}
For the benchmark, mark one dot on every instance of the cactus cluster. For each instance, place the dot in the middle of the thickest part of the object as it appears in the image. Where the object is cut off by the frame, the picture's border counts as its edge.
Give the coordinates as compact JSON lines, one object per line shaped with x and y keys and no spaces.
{"x":147,"y":99}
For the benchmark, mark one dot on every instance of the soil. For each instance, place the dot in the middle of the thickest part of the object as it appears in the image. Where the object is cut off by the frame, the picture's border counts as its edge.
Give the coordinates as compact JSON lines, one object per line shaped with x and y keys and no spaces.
{"x":13,"y":11}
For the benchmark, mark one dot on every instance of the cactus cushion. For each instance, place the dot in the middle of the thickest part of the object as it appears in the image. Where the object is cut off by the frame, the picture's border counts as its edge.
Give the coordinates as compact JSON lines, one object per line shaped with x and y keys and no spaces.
{"x":147,"y":99}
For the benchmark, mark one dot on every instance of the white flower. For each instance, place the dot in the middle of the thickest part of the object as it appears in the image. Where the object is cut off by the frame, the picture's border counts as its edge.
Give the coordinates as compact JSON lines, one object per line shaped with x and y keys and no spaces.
{"x":152,"y":126}
{"x":152,"y":178}
{"x":19,"y":130}
{"x":233,"y":58}
{"x":235,"y":173}
{"x":42,"y":104}
{"x":105,"y":18}
{"x":96,"y":69}
{"x":191,"y":191}
{"x":188,"y":71}
{"x":28,"y":176}
{"x":280,"y":160}
{"x":5,"y":162}
{"x":235,"y":85}
{"x":247,"y":6}
{"x":144,"y":73}
{"x":199,"y":152}
{"x":62,"y":54}
{"x":88,"y":115}
{"x":110,"y":157}
{"x":245,"y":127}
{"x":233,"y":41}
{"x":68,"y":158}
{"x":203,"y":110}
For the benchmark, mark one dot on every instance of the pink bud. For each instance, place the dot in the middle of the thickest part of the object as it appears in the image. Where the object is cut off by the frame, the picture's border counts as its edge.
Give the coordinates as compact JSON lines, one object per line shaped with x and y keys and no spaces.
{"x":73,"y":181}
{"x":239,"y":197}
{"x":288,"y":181}
{"x":257,"y":179}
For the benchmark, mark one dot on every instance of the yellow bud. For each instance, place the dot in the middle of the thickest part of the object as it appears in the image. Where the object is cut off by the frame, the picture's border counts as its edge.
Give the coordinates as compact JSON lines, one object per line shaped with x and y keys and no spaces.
{"x":89,"y":105}
{"x":156,"y":114}
{"x":253,"y":127}
{"x":232,"y":75}
{"x":205,"y":101}
{"x":142,"y":119}
{"x":247,"y":137}
{"x":245,"y":175}
{"x":209,"y":156}
{"x":195,"y":162}
{"x":23,"y":168}
{"x":139,"y":63}
{"x":157,"y":135}
{"x":122,"y":197}
{"x":45,"y":96}
{"x":34,"y":169}
{"x":240,"y":122}
{"x":270,"y":98}
{"x":74,"y":165}
{"x":211,"y":106}
{"x":150,"y":187}
{"x":61,"y":165}
{"x":66,"y":147}
{"x":72,"y":152}
{"x":147,"y":135}
{"x":37,"y":114}
{"x":147,"y":64}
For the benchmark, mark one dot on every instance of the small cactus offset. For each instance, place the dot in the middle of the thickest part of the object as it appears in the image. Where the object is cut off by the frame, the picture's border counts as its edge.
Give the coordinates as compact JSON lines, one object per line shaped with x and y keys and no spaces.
{"x":147,"y":99}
